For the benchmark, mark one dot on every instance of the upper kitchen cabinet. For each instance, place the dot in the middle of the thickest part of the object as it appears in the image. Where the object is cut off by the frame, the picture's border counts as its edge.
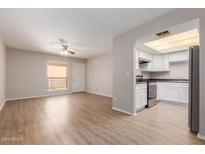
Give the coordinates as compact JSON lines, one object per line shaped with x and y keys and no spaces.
{"x":145,"y":55}
{"x":160,"y":63}
{"x":179,"y":56}
{"x":166,"y":62}
{"x":157,"y":63}
{"x":174,"y":57}
{"x":185,"y":56}
{"x":137,"y":58}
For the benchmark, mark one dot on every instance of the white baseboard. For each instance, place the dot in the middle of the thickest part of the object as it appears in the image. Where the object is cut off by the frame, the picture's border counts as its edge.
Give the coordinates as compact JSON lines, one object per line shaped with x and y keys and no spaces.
{"x":1,"y":107}
{"x":96,"y":93}
{"x":200,"y":136}
{"x":126,"y":112}
{"x":19,"y":98}
{"x":78,"y":91}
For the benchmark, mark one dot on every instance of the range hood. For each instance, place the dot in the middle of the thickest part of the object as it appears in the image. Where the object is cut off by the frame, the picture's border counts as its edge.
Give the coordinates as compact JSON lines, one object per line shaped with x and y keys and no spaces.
{"x":144,"y":61}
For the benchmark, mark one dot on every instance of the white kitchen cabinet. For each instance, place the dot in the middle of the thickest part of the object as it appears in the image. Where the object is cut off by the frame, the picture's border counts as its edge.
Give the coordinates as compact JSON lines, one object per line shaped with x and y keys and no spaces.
{"x":141,"y":95}
{"x":144,"y":55}
{"x":137,"y":58}
{"x":157,"y":63}
{"x":160,"y":92}
{"x":149,"y":56}
{"x":183,"y":94}
{"x":147,"y":66}
{"x":177,"y":92}
{"x":171,"y":92}
{"x":179,"y":56}
{"x":166,"y":62}
{"x":166,"y":91}
{"x":174,"y":57}
{"x":184,"y":56}
{"x":160,"y":62}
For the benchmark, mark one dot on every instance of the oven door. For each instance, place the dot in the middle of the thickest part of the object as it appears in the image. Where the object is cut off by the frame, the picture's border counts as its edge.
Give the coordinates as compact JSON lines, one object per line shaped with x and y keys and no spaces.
{"x":152,"y":90}
{"x":152,"y":94}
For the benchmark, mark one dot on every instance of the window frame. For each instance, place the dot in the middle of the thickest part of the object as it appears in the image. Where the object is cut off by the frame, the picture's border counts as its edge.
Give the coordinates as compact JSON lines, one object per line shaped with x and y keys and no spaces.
{"x":67,"y":75}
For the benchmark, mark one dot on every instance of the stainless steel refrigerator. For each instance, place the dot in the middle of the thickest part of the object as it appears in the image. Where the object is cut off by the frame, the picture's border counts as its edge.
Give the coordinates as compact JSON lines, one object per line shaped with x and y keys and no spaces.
{"x":193,"y":117}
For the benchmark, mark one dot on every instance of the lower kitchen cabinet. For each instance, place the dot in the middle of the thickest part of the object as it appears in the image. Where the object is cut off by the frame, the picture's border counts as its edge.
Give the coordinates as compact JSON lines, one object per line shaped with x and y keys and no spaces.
{"x":141,"y":95}
{"x":177,"y":92}
{"x":183,"y":95}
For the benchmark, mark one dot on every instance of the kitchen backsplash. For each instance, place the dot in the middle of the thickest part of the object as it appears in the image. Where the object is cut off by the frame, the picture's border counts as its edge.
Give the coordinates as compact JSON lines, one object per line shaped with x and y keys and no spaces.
{"x":146,"y":75}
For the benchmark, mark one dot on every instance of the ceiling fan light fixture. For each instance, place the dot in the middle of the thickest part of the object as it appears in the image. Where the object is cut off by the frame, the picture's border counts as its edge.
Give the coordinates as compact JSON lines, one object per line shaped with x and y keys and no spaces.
{"x":64,"y":44}
{"x":62,"y":53}
{"x":65,"y":52}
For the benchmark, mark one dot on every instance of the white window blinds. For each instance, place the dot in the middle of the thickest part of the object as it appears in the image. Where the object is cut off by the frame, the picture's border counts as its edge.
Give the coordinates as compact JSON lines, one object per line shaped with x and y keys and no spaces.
{"x":57,"y":75}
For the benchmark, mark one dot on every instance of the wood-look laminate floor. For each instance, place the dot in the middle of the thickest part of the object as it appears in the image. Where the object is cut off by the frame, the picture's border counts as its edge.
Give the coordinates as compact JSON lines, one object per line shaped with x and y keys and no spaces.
{"x":83,"y":118}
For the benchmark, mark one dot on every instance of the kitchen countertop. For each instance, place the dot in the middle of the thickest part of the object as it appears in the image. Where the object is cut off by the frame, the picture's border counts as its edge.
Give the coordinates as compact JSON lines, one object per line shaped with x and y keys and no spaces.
{"x":138,"y":81}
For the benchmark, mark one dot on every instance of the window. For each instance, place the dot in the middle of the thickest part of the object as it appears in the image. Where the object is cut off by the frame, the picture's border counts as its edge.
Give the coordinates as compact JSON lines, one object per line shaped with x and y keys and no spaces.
{"x":57,"y":75}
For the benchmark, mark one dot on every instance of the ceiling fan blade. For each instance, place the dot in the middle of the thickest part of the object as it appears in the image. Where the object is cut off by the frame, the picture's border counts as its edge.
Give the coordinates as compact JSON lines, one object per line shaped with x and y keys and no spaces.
{"x":63,"y":41}
{"x":71,"y":52}
{"x":64,"y":44}
{"x":56,"y":43}
{"x":60,"y":42}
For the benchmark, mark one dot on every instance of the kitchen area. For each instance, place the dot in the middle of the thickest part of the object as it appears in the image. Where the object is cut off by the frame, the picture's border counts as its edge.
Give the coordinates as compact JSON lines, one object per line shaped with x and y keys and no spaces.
{"x":167,"y":70}
{"x":162,"y":77}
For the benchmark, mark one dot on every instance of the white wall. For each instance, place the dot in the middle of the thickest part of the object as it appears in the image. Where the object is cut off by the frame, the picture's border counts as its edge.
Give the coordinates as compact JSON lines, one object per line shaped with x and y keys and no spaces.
{"x":124,"y":58}
{"x":2,"y":73}
{"x":99,"y":75}
{"x":26,"y":73}
{"x":177,"y":70}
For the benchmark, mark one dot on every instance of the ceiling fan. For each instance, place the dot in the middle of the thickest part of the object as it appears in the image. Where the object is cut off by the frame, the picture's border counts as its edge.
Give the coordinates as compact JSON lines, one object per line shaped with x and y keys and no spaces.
{"x":65,"y":48}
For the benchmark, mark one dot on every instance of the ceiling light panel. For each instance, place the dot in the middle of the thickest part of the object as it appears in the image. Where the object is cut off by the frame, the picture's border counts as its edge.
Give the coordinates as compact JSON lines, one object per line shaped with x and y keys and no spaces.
{"x":175,"y":42}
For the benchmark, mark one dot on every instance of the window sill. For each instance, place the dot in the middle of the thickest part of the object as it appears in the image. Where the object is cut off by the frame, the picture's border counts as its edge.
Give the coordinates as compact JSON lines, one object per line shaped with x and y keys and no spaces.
{"x":62,"y":89}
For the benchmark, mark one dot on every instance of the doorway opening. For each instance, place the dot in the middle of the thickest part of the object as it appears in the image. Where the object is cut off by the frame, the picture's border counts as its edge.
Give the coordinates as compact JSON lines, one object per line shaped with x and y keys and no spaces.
{"x":167,"y":74}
